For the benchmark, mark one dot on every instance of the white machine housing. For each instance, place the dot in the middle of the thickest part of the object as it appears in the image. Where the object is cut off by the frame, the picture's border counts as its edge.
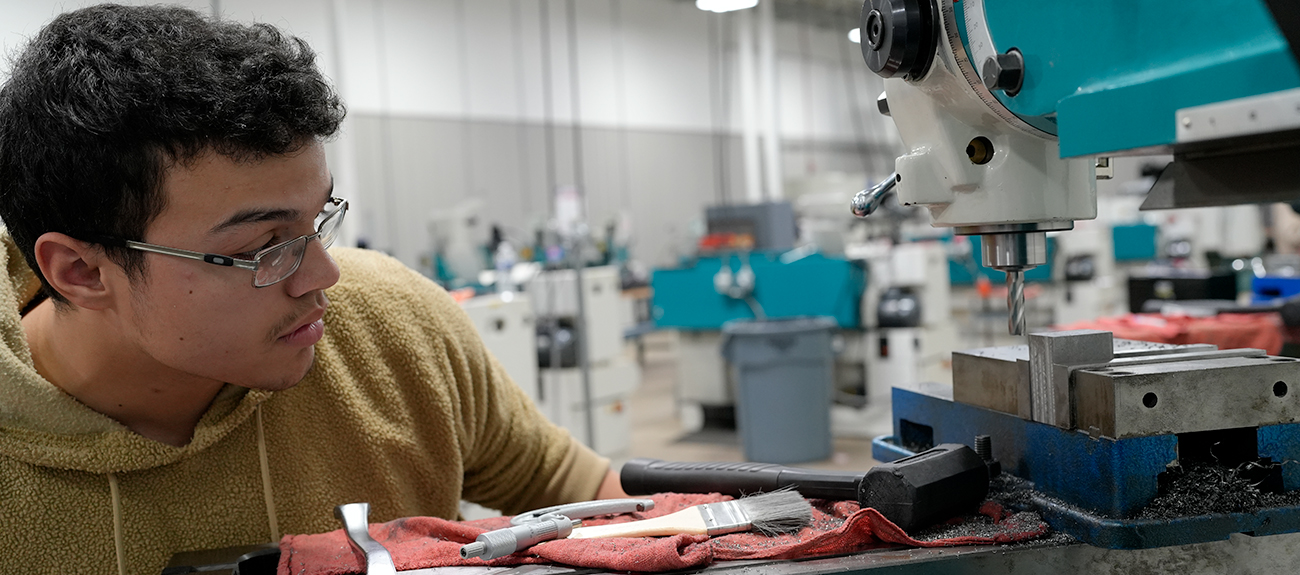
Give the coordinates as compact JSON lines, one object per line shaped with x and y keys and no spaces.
{"x":940,"y":115}
{"x":613,"y":376}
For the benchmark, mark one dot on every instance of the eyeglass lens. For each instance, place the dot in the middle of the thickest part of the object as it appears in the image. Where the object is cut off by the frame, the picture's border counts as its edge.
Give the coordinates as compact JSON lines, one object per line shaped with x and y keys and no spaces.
{"x":280,"y":263}
{"x":329,"y":229}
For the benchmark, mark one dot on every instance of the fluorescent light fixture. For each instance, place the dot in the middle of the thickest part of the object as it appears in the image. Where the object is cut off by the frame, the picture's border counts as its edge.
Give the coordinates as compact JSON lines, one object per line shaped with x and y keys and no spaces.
{"x":855,"y":35}
{"x":725,"y":5}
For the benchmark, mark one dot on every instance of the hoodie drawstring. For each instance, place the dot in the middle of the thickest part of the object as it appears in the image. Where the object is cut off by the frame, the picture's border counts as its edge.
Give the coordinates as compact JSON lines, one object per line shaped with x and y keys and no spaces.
{"x":266,"y":478}
{"x":119,"y":540}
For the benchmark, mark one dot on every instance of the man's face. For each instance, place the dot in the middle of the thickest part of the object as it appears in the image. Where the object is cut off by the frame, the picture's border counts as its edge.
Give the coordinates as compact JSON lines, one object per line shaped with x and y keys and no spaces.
{"x":209,"y":321}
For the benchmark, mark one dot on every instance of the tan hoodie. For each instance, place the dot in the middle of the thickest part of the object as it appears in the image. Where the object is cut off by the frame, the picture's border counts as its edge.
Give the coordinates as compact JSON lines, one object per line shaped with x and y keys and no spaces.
{"x":403,"y":409}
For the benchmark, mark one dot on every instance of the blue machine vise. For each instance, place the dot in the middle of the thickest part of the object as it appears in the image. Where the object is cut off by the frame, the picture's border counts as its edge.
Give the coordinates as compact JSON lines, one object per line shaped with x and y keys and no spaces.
{"x":1094,"y":469}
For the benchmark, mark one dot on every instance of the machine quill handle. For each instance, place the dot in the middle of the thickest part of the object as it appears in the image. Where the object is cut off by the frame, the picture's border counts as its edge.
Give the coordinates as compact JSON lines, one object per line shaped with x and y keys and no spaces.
{"x":869,"y":200}
{"x":1016,"y":302}
{"x":355,"y":518}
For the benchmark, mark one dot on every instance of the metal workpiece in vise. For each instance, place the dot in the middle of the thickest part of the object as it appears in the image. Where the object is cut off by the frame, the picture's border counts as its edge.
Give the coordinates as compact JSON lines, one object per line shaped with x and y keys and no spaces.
{"x":1087,"y":380}
{"x":557,"y":522}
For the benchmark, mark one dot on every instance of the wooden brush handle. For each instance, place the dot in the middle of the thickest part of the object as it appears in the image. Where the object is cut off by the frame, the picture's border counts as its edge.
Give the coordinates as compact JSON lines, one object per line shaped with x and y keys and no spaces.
{"x":688,"y":521}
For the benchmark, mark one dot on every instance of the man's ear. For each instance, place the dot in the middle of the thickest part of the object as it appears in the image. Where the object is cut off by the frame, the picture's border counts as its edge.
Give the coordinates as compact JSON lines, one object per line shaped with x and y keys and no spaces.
{"x":75,"y":269}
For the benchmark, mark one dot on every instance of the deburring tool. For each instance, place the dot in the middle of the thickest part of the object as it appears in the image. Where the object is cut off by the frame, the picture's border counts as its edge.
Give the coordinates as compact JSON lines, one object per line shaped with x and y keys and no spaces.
{"x":356,"y":523}
{"x":533,"y":527}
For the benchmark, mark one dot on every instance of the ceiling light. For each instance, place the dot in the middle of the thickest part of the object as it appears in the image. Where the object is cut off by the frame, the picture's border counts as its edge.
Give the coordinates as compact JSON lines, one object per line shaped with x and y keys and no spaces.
{"x":855,"y":35}
{"x":725,"y":5}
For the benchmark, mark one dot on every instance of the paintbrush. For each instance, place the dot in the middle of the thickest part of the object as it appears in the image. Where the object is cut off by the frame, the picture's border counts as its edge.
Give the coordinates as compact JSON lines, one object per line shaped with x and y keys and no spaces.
{"x":771,"y":514}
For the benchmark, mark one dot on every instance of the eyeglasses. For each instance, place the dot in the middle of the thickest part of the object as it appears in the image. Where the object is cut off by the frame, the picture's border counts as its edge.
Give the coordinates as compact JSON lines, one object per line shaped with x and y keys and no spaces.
{"x":270,"y":265}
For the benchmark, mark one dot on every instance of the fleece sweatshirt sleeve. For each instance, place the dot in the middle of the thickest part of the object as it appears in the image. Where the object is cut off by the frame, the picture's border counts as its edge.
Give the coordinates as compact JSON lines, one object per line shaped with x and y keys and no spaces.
{"x":513,"y":458}
{"x":516,"y":460}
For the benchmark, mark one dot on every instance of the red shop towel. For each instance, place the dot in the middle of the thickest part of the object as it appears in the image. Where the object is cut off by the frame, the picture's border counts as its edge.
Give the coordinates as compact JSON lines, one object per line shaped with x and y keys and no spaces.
{"x":838,"y":528}
{"x":1226,"y":330}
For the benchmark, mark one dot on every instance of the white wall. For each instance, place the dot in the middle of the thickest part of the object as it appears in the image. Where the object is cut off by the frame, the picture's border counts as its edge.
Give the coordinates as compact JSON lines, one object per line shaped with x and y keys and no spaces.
{"x":644,"y":66}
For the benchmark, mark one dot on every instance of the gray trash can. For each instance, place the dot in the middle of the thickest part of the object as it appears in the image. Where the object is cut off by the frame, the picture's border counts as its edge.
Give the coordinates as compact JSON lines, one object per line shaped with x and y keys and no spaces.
{"x":783,"y":373}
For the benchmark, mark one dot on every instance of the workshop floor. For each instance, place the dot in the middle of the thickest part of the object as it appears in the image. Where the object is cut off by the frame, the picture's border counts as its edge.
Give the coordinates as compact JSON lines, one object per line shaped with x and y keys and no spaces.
{"x":657,"y":433}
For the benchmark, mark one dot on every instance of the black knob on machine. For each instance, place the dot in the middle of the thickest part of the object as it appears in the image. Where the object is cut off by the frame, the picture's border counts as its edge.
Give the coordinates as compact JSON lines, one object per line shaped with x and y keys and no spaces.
{"x":899,"y":37}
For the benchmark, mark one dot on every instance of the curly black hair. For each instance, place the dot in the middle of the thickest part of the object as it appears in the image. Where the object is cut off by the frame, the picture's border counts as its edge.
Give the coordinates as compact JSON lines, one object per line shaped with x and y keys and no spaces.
{"x":105,"y":98}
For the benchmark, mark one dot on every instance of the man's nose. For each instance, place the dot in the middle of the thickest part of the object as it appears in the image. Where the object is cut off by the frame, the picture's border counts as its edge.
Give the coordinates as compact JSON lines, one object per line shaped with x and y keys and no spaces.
{"x":317,"y":271}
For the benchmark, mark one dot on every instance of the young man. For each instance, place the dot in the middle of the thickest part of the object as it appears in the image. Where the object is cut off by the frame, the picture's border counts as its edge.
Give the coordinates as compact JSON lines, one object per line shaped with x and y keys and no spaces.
{"x":184,"y":365}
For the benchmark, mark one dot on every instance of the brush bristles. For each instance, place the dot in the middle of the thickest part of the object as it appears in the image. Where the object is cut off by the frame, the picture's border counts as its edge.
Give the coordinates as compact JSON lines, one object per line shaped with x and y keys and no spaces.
{"x":777,"y":512}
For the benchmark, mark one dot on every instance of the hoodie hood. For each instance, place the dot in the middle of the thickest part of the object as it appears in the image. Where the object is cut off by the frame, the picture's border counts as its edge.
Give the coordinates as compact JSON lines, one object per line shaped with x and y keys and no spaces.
{"x":42,"y":425}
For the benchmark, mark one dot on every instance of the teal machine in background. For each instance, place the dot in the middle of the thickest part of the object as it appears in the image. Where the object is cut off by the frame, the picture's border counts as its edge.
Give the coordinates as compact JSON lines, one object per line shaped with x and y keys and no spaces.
{"x":1135,"y":242}
{"x":816,"y":285}
{"x":698,"y":297}
{"x":771,"y":278}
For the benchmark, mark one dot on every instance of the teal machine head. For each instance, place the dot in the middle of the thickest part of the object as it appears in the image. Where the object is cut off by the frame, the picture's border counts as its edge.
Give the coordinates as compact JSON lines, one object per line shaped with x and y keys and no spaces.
{"x":1010,"y":110}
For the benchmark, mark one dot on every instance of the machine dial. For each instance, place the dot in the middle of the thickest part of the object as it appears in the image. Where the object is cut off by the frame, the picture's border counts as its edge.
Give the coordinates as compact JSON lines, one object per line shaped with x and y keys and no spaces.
{"x":899,"y":37}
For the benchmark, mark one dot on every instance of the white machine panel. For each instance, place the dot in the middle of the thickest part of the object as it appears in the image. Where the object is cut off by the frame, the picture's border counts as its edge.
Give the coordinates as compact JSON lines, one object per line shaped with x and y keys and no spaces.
{"x":554,"y":295}
{"x":505,"y":323}
{"x":701,"y":371}
{"x":611,"y":383}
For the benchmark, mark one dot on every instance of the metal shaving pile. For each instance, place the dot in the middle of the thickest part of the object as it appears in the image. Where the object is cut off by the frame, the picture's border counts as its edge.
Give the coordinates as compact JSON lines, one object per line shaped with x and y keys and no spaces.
{"x":1052,"y":539}
{"x":982,"y":526}
{"x":1012,"y":494}
{"x":1204,"y":488}
{"x":968,"y":526}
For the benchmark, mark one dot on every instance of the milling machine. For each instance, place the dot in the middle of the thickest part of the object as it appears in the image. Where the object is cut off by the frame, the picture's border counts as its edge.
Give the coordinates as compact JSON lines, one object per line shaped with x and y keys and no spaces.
{"x":1010,"y":110}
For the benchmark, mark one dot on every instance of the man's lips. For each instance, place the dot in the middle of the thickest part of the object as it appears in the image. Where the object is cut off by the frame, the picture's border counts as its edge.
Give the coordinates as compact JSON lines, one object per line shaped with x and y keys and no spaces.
{"x":304,"y":326}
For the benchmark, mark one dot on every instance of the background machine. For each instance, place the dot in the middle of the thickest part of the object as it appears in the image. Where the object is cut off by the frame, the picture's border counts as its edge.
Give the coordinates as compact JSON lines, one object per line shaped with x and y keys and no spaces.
{"x":1009,"y":112}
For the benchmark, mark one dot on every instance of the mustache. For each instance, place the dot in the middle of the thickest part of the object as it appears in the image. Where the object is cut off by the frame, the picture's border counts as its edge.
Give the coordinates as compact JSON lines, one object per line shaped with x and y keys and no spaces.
{"x":304,"y":307}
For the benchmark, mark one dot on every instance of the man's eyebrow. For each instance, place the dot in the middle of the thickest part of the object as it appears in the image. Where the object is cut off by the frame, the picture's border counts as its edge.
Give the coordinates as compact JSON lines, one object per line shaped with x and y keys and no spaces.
{"x":253,"y":216}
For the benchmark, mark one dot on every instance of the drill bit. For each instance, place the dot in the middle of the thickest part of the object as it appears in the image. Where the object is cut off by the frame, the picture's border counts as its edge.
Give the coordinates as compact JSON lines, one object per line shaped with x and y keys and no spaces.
{"x":1016,"y":302}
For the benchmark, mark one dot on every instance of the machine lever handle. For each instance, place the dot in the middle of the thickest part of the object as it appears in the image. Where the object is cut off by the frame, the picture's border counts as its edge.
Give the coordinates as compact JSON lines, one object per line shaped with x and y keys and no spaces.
{"x":869,"y":200}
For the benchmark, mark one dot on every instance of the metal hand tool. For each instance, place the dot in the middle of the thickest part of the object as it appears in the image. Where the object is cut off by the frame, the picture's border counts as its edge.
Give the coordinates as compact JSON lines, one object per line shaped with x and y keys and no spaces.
{"x":356,"y":522}
{"x":533,"y":527}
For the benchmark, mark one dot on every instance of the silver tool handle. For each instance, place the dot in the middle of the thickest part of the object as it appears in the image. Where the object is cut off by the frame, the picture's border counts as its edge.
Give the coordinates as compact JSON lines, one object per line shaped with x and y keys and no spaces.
{"x":502,"y":542}
{"x":586,"y":509}
{"x":869,"y":200}
{"x":356,"y":522}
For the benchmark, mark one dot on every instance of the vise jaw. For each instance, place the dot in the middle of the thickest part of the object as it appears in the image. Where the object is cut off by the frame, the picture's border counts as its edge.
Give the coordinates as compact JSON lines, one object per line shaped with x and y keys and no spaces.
{"x":1116,"y":388}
